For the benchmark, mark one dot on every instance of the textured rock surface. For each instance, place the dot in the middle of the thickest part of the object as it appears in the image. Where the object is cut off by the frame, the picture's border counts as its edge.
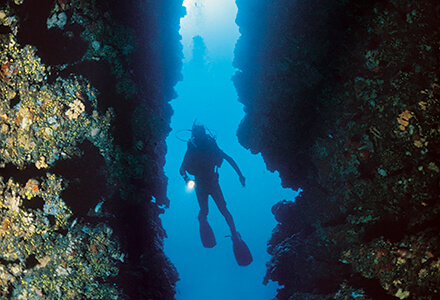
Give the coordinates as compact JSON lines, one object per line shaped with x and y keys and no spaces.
{"x":84,"y":114}
{"x":343,"y":99}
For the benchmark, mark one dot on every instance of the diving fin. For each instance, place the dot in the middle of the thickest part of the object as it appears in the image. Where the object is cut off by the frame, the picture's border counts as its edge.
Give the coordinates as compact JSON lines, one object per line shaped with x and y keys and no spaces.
{"x":242,"y":253}
{"x":207,"y":235}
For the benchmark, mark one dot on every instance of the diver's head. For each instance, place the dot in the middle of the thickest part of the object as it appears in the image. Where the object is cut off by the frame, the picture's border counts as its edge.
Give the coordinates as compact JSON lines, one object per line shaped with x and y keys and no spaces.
{"x":198,"y":132}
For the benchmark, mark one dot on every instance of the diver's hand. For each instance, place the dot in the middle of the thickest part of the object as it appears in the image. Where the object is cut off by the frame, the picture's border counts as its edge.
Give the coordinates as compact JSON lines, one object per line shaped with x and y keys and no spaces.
{"x":242,"y":180}
{"x":185,"y":178}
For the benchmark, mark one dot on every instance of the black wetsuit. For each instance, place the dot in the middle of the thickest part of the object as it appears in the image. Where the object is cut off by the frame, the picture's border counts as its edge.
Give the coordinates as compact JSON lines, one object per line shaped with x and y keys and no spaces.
{"x":202,"y":160}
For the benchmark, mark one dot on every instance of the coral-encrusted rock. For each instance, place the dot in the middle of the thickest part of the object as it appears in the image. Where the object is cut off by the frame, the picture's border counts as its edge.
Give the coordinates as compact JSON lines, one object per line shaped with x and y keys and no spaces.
{"x":72,"y":73}
{"x":346,"y":106}
{"x":405,"y":268}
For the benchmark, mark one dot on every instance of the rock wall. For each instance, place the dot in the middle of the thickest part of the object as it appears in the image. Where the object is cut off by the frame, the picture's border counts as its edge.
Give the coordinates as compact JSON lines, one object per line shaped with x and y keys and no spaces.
{"x":343,"y":99}
{"x":84,"y":113}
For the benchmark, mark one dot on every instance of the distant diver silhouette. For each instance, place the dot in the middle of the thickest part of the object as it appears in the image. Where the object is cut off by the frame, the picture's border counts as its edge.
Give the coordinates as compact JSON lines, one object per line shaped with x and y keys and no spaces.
{"x":202,"y":159}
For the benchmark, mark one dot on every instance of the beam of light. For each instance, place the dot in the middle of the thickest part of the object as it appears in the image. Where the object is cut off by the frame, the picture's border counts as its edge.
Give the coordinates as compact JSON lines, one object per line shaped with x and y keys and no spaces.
{"x":214,"y":20}
{"x":190,"y":186}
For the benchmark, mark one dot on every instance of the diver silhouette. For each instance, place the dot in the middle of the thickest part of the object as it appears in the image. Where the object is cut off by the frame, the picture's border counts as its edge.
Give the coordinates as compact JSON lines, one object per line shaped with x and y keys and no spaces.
{"x":202,"y":160}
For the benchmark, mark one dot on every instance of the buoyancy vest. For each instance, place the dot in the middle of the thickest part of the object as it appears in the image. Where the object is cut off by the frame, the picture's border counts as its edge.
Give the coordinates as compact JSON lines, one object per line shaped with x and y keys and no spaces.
{"x":203,"y":157}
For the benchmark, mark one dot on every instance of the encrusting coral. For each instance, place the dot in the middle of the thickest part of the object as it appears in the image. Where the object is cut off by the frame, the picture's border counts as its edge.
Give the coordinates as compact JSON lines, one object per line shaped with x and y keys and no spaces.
{"x":75,"y":109}
{"x":403,"y":119}
{"x":51,"y":123}
{"x":50,"y":120}
{"x":346,"y":107}
{"x":84,"y":253}
{"x":44,"y":254}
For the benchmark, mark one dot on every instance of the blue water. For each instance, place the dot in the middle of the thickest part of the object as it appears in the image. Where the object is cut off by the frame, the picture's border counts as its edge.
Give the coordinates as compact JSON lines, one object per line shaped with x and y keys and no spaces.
{"x":208,"y":95}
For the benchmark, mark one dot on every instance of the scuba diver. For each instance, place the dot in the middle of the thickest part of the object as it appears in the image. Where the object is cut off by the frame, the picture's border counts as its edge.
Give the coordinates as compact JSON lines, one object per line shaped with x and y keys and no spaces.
{"x":202,"y":159}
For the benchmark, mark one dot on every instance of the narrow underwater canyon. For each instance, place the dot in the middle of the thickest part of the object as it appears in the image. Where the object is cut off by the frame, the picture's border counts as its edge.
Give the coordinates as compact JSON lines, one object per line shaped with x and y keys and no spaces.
{"x":341,"y":97}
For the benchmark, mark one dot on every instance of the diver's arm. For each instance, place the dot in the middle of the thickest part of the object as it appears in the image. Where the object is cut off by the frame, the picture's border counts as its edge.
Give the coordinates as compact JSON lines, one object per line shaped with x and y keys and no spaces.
{"x":236,"y":168}
{"x":182,"y":169}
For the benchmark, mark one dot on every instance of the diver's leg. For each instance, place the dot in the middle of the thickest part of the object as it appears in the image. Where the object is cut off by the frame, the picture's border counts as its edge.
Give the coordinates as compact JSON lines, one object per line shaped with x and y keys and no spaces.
{"x":202,"y":198}
{"x":219,"y":199}
{"x":206,"y":233}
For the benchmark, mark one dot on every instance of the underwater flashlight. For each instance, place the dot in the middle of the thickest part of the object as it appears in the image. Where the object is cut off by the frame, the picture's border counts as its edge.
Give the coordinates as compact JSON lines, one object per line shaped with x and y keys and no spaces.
{"x":190,"y":185}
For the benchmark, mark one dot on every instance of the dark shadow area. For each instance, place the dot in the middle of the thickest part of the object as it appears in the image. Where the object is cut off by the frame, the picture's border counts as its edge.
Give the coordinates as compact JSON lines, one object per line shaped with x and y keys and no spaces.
{"x":392,"y":230}
{"x":86,"y":183}
{"x":371,"y":287}
{"x":21,"y":175}
{"x":4,"y":29}
{"x":54,"y":46}
{"x":31,"y":262}
{"x":36,"y":203}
